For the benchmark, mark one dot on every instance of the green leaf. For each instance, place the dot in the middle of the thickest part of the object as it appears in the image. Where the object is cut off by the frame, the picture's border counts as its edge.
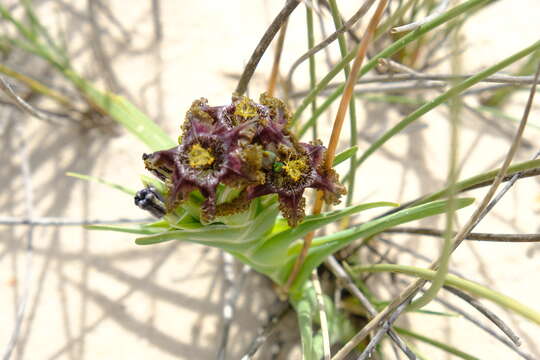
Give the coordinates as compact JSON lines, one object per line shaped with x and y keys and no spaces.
{"x":230,"y":238}
{"x":124,"y":113}
{"x":140,"y":231}
{"x":274,"y":249}
{"x":304,"y":312}
{"x":344,"y":155}
{"x":102,"y":181}
{"x":481,"y":178}
{"x":326,"y":245}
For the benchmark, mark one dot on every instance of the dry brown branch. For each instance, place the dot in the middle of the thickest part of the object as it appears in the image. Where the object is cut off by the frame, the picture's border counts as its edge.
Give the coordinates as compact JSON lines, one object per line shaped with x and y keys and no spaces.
{"x":263,"y":45}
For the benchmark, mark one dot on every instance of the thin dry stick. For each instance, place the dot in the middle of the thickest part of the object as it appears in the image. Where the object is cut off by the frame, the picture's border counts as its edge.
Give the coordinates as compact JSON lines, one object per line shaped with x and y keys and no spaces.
{"x":24,"y":106}
{"x":277,"y":57}
{"x":440,"y":80}
{"x":376,"y":339}
{"x":524,"y":174}
{"x":487,"y":313}
{"x":481,"y":308}
{"x":415,"y":25}
{"x":336,"y":130}
{"x":29,"y":204}
{"x":471,"y":236}
{"x":322,"y":315}
{"x":479,"y":213}
{"x":51,"y":221}
{"x":233,"y":287}
{"x":265,"y":331}
{"x":486,"y":328}
{"x":507,"y":187}
{"x":263,"y":45}
{"x":348,"y":283}
{"x":400,"y":87}
{"x":323,"y":44}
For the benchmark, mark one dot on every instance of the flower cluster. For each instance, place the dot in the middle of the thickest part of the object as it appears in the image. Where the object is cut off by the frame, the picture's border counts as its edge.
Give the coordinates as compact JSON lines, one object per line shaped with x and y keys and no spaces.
{"x":246,"y":146}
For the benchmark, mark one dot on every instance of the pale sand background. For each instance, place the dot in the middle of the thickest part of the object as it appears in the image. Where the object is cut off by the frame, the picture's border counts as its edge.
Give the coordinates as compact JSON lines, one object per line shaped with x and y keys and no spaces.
{"x":95,"y":295}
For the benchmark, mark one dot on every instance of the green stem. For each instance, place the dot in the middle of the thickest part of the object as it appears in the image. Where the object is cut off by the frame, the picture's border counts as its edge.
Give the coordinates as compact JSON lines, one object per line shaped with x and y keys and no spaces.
{"x":312,"y":69}
{"x":446,"y":252}
{"x":338,"y":23}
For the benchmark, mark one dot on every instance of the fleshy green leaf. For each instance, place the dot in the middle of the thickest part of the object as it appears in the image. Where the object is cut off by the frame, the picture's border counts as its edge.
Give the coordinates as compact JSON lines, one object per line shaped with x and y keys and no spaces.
{"x":231,"y":238}
{"x":274,"y":249}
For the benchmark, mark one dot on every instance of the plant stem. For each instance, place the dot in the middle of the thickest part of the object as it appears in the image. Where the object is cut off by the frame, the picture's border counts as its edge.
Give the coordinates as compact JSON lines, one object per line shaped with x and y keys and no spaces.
{"x":336,"y":131}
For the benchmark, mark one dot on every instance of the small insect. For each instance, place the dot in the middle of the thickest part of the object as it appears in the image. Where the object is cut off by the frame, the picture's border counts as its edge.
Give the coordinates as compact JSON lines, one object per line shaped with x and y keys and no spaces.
{"x":150,"y":200}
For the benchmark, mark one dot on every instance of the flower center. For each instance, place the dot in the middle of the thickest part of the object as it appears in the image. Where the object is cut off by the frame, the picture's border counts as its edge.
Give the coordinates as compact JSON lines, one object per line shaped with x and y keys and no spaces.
{"x":295,"y":168}
{"x":200,"y":157}
{"x":245,"y":109}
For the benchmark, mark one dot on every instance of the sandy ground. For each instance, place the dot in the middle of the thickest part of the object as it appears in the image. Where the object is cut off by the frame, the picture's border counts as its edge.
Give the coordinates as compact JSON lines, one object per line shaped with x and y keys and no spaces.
{"x":96,"y":295}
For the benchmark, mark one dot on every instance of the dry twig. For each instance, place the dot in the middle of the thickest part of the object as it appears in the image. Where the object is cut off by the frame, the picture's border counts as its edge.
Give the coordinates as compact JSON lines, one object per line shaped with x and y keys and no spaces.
{"x":323,"y":44}
{"x":263,"y":45}
{"x":471,"y":236}
{"x":29,"y":205}
{"x":415,"y":25}
{"x":348,"y":283}
{"x":232,"y":290}
{"x":265,"y":331}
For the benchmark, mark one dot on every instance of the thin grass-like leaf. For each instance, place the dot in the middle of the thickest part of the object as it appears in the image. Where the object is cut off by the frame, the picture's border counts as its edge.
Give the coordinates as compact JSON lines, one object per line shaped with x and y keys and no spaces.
{"x":102,"y":181}
{"x":454,"y":91}
{"x":122,"y":111}
{"x":481,"y":178}
{"x":460,"y":283}
{"x":344,"y":155}
{"x":389,"y":51}
{"x":130,"y":230}
{"x":445,"y":347}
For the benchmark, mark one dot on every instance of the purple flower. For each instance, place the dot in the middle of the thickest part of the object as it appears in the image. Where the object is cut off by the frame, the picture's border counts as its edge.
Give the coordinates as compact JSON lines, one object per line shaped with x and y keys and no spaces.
{"x":295,"y":169}
{"x":210,"y":154}
{"x":243,"y":145}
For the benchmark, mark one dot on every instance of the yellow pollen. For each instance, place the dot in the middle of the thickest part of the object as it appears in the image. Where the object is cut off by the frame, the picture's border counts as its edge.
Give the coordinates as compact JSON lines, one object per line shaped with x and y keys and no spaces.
{"x":295,"y":168}
{"x":199,"y":156}
{"x":245,"y":109}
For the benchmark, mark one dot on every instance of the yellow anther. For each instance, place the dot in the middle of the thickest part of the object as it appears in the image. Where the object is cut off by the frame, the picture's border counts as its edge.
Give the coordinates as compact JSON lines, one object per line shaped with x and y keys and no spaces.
{"x":200,"y":157}
{"x":295,"y":168}
{"x":245,"y":109}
